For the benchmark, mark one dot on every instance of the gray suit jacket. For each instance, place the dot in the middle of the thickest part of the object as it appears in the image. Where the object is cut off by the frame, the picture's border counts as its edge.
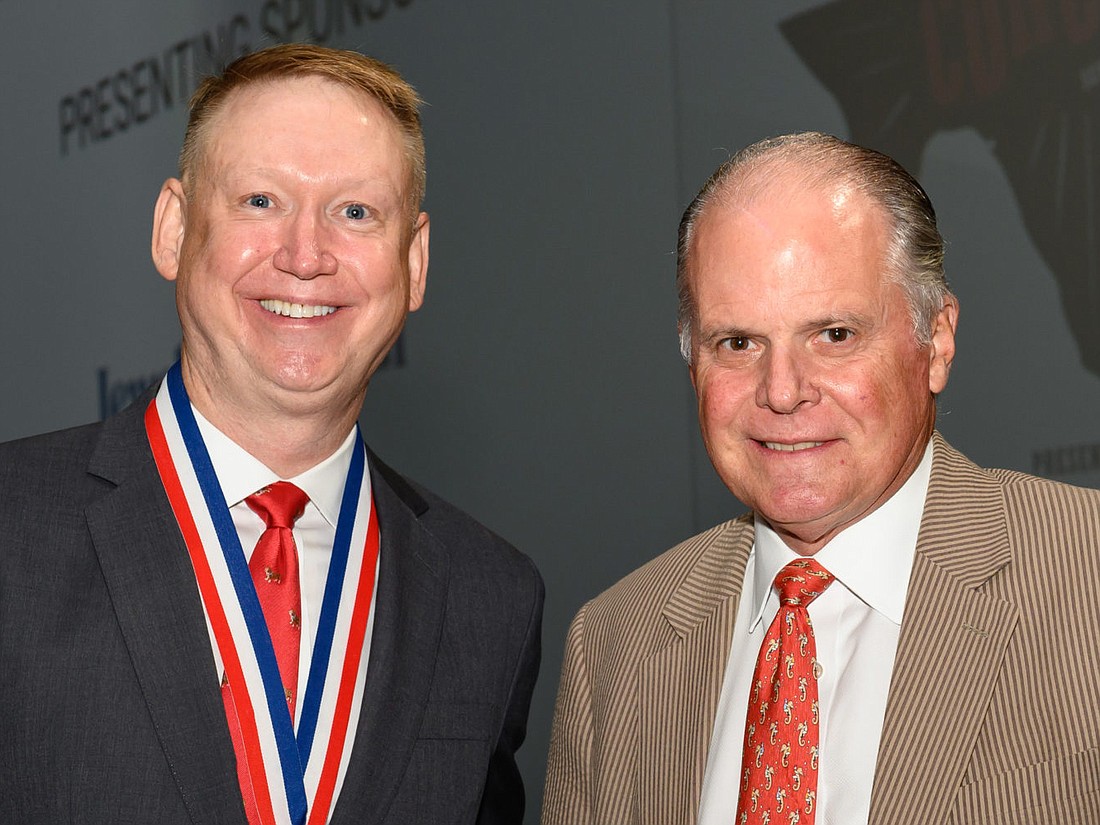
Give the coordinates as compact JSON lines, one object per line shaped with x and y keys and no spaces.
{"x":110,"y":710}
{"x":993,"y":714}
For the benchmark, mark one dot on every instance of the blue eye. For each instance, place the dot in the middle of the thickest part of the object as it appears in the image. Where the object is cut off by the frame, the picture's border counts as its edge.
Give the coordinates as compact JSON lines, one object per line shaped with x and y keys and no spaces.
{"x":259,"y":201}
{"x":356,"y":211}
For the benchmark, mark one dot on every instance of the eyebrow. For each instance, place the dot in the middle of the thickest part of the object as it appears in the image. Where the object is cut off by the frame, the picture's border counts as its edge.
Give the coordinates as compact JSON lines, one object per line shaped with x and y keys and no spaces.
{"x":821,"y":322}
{"x":856,"y":320}
{"x":717,"y":332}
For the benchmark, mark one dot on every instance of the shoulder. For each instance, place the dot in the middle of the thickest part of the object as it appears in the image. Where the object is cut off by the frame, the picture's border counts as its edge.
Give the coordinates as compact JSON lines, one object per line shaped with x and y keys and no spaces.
{"x":975,"y":515}
{"x":1024,"y":486}
{"x":74,"y":443}
{"x":470,"y":545}
{"x":45,"y":489}
{"x":75,"y":465}
{"x":46,"y":468}
{"x":1041,"y":512}
{"x":1026,"y":499}
{"x":688,"y":579}
{"x":654,"y":581}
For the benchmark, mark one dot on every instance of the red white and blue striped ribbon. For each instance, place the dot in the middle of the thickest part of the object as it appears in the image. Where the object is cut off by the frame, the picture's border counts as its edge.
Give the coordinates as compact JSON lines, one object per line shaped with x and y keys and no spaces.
{"x":295,"y":776}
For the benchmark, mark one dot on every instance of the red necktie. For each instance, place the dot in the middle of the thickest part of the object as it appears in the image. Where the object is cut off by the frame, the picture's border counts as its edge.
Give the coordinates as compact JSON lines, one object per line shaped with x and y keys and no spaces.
{"x":779,"y":759}
{"x":274,"y":569}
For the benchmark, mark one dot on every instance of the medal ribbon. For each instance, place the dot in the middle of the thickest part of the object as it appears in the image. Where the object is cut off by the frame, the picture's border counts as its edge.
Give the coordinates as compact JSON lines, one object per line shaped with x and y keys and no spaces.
{"x":243,"y":630}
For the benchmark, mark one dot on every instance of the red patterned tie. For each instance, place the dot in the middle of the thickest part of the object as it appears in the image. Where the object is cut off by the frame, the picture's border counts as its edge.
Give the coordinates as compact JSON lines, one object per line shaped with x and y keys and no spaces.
{"x":274,"y":568}
{"x":779,"y":759}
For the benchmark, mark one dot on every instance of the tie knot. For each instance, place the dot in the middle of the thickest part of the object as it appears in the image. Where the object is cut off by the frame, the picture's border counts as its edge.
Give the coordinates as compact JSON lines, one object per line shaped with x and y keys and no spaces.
{"x":279,"y":504}
{"x":800,"y":582}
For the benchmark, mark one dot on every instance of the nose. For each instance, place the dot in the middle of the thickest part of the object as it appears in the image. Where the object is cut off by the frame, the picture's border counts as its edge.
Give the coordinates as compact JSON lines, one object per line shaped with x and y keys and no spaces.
{"x":786,"y":383}
{"x":304,"y":250}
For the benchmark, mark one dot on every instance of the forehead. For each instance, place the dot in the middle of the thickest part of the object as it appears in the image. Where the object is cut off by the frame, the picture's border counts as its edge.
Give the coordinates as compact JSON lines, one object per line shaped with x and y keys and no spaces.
{"x":312,"y":119}
{"x":788,"y":234}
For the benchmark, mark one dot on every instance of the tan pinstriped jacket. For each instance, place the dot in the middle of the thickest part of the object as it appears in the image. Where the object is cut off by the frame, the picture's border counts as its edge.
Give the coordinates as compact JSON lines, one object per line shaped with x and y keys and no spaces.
{"x":994,"y":707}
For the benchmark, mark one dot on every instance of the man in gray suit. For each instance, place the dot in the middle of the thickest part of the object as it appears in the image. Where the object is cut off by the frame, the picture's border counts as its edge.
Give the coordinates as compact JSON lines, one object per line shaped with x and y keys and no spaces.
{"x":892,"y":635}
{"x":376,"y":664}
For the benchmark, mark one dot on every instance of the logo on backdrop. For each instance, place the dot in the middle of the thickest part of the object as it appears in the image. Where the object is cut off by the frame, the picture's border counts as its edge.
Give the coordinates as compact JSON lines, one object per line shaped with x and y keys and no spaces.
{"x":1071,"y":460}
{"x":116,"y":391}
{"x":1025,"y":75}
{"x":157,"y":83}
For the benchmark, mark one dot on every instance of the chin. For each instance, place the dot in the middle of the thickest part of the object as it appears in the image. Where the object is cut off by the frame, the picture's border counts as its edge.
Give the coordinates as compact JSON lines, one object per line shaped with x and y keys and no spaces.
{"x":298,"y":367}
{"x":795,"y":508}
{"x":300,"y":381}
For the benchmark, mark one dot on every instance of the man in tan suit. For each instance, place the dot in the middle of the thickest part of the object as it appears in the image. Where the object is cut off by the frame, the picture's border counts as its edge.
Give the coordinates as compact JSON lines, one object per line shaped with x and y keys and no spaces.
{"x":955,"y":666}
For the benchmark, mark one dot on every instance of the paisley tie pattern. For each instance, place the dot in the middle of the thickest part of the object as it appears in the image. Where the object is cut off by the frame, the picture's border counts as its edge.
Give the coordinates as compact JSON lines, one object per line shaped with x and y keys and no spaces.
{"x":780,"y":757}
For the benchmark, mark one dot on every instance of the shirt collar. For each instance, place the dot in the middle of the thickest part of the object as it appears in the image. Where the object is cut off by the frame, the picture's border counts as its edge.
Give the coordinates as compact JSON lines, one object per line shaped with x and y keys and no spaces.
{"x":241,"y":474}
{"x":872,"y":558}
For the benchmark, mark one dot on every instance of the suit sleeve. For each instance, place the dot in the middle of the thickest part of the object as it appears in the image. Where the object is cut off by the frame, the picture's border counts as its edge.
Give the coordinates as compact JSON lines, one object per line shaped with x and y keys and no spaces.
{"x":502,"y":801}
{"x":567,"y":796}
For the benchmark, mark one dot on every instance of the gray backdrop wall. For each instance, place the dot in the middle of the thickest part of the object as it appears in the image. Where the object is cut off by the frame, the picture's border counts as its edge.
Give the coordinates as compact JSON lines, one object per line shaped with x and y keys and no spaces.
{"x":540,"y":387}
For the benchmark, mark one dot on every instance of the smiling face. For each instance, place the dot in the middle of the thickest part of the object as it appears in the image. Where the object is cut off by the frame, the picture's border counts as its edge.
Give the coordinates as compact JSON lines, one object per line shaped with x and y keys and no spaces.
{"x":295,"y":251}
{"x":815,"y":399}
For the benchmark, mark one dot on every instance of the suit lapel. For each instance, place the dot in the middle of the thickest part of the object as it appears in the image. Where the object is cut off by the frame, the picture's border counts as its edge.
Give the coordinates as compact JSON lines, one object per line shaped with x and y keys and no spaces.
{"x":412,"y":588}
{"x":952,"y":643}
{"x":156,"y":601}
{"x":679,"y":685}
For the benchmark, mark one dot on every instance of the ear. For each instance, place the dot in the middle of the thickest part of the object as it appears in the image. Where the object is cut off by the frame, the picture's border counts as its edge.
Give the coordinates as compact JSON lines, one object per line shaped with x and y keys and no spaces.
{"x":942,"y":351}
{"x":418,"y":261}
{"x":168,"y":228}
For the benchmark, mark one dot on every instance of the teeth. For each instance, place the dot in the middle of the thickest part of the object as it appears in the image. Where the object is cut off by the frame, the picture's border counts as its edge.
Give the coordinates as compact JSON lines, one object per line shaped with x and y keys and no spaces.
{"x":791,"y":448}
{"x":290,"y":310}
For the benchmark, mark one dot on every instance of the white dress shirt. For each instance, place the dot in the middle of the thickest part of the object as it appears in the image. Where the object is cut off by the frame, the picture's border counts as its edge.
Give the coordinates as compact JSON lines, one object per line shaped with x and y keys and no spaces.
{"x":856,"y":624}
{"x":241,"y":475}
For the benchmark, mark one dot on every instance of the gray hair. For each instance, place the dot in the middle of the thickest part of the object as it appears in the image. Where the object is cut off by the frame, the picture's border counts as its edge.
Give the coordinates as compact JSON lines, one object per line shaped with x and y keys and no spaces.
{"x":914,"y":257}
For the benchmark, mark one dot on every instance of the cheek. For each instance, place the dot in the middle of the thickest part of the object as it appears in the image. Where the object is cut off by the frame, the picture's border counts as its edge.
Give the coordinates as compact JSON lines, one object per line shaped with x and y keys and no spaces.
{"x":904,"y":389}
{"x":244,"y":249}
{"x":381,"y":266}
{"x":723,"y":397}
{"x":883,"y":399}
{"x":232,"y":250}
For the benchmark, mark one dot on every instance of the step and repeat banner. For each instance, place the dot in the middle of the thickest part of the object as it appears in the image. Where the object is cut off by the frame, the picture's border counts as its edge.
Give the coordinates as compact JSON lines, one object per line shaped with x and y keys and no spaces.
{"x":540,"y":387}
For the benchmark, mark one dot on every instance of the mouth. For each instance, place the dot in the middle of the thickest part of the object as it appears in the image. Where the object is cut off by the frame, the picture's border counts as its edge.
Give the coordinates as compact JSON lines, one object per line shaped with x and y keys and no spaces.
{"x":289,"y":310}
{"x":791,"y":448}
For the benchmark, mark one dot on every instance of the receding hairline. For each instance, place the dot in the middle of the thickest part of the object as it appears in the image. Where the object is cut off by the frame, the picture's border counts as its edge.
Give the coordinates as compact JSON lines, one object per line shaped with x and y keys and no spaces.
{"x":814,"y":160}
{"x":783,"y":180}
{"x":353,"y":70}
{"x":233,"y":97}
{"x":787,"y":175}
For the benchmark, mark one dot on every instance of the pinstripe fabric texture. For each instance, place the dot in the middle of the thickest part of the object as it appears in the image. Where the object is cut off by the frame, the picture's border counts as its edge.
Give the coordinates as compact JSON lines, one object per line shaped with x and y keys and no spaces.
{"x":994,"y":707}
